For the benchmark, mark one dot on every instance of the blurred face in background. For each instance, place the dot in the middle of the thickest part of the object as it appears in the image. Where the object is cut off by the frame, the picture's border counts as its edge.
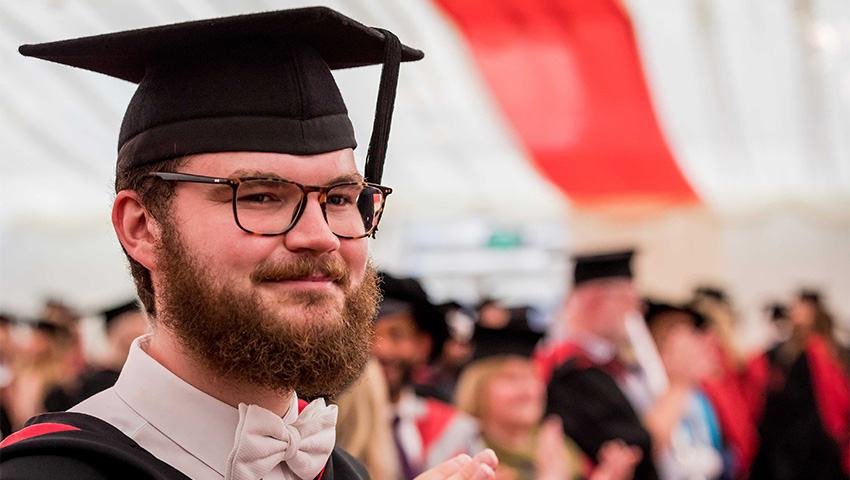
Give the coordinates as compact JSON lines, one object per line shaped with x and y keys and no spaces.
{"x":399,"y":347}
{"x":514,"y":396}
{"x":493,"y":315}
{"x":7,"y":344}
{"x":802,"y":314}
{"x":601,"y":307}
{"x":688,"y":354}
{"x":122,"y":331}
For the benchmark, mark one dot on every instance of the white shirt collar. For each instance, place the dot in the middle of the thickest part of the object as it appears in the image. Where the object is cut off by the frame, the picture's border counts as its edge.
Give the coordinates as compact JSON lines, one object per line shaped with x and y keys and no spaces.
{"x":598,"y":349}
{"x":202,"y":425}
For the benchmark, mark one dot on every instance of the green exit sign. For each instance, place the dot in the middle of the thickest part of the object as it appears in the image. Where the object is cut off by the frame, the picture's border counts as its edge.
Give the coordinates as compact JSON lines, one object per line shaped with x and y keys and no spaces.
{"x":505,"y":240}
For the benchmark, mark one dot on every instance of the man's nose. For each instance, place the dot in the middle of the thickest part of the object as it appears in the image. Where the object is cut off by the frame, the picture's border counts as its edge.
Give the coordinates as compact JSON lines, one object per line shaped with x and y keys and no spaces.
{"x":311,"y":232}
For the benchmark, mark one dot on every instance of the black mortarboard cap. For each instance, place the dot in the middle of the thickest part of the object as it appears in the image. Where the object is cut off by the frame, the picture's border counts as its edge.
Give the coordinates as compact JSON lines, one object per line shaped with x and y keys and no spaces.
{"x":777,"y":311}
{"x":512,"y":340}
{"x":117,"y":311}
{"x":428,"y":317}
{"x":258,"y":82}
{"x":655,"y":310}
{"x":715,"y":293}
{"x":51,"y":328}
{"x":7,"y":319}
{"x":810,"y":295}
{"x":607,"y":265}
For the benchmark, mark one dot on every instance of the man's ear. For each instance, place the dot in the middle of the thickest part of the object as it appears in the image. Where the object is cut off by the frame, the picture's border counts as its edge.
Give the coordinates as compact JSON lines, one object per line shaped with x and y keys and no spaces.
{"x":137,"y":230}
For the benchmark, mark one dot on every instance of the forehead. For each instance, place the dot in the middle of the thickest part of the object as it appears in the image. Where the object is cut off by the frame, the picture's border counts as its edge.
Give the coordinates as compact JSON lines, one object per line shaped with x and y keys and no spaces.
{"x":611,"y":285}
{"x":301,"y":168}
{"x":619,"y":284}
{"x":512,"y":364}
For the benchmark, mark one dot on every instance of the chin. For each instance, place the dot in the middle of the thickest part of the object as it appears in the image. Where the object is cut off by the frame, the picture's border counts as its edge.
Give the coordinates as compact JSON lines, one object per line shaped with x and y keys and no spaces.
{"x":307,"y":304}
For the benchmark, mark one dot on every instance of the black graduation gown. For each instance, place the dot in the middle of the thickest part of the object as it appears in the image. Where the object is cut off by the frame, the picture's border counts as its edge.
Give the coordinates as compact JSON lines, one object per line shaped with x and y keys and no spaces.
{"x":794,"y":443}
{"x":93,"y":449}
{"x":594,"y":410}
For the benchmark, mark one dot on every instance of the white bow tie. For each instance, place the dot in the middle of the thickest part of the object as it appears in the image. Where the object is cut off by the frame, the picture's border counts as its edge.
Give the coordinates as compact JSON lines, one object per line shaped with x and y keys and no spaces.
{"x":264,"y":440}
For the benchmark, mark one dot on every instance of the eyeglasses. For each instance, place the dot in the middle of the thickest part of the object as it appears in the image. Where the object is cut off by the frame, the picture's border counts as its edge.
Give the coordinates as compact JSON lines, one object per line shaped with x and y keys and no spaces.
{"x":272,"y":206}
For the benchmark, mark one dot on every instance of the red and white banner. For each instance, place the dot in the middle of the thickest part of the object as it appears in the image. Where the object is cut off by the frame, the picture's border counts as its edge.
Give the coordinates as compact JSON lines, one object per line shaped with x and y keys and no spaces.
{"x":716,"y":133}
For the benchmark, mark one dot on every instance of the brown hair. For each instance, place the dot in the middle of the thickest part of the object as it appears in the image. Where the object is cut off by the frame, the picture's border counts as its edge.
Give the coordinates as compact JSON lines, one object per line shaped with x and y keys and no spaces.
{"x":823,"y":323}
{"x":155,"y":196}
{"x":363,"y":428}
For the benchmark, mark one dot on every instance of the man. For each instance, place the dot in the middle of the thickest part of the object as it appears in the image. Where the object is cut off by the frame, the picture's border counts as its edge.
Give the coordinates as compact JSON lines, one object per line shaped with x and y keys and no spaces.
{"x":245,"y":221}
{"x":596,"y":395}
{"x":410,"y":332}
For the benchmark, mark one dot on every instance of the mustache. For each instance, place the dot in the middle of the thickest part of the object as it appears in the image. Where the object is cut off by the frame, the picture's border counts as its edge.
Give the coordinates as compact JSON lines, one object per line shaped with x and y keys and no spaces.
{"x":301,"y":268}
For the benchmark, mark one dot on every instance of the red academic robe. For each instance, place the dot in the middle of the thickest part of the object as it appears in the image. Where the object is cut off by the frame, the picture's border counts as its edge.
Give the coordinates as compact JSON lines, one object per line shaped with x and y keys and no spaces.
{"x":736,"y":423}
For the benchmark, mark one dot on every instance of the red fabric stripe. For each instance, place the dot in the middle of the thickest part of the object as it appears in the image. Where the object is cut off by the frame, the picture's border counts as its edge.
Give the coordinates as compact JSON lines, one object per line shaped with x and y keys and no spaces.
{"x":34,"y":431}
{"x":550,"y":358}
{"x":568,"y":78}
{"x":832,"y":394}
{"x":736,"y":424}
{"x":302,"y":404}
{"x":434,"y":422}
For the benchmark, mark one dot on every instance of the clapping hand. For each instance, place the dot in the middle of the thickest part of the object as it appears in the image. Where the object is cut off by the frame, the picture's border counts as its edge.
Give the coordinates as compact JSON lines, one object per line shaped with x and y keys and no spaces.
{"x":462,"y":467}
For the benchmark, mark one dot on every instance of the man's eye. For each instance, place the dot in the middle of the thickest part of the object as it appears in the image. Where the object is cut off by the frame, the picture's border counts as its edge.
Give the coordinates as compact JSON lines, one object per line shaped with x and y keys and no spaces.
{"x":258,"y":198}
{"x":339,"y":200}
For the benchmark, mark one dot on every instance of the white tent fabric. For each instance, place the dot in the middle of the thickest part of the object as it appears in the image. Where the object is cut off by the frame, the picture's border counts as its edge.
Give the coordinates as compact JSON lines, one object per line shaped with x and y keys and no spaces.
{"x":754,"y":98}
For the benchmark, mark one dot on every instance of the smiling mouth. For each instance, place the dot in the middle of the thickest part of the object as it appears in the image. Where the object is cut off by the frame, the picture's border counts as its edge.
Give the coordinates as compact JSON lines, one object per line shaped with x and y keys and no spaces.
{"x":309,"y":282}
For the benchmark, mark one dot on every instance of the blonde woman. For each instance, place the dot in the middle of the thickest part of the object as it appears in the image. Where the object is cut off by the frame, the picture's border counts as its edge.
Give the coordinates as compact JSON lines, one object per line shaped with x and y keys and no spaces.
{"x":501,"y":388}
{"x":363,"y":427}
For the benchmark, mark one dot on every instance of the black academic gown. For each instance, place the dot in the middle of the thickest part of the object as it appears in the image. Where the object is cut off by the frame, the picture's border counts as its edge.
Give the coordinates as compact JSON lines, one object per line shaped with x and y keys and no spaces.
{"x":90,"y":448}
{"x":794,"y":443}
{"x":594,"y":410}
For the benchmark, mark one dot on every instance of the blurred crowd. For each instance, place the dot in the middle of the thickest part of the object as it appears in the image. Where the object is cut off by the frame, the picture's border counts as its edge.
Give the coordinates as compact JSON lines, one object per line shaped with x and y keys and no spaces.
{"x":620,"y":387}
{"x":44,"y":364}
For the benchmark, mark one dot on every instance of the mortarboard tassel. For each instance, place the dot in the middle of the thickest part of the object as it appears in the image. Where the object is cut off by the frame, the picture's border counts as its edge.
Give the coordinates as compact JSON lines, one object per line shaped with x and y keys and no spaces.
{"x":377,"y":152}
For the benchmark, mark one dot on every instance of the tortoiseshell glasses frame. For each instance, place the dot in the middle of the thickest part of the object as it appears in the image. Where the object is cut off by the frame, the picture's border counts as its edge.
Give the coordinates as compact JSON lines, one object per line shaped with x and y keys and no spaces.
{"x":261,"y":205}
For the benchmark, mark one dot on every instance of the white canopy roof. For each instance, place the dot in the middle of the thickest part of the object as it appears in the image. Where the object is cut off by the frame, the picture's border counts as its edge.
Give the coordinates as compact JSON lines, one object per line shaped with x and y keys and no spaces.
{"x":754,"y":98}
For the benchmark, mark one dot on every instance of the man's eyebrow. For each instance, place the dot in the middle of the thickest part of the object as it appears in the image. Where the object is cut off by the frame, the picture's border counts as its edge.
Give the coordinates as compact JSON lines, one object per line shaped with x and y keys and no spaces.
{"x":345,"y":178}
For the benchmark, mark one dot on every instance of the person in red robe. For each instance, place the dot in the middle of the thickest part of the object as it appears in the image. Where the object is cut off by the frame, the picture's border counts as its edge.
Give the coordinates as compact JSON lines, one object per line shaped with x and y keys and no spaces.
{"x":800,"y":395}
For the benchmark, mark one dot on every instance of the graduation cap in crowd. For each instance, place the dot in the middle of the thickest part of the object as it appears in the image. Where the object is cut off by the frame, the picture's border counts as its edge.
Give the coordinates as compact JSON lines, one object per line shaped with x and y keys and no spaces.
{"x":776,"y":311}
{"x":407,"y":295}
{"x":714,"y":293}
{"x":656,"y":310}
{"x":119,"y":311}
{"x":260,"y":82}
{"x":512,"y":340}
{"x":6,"y":319}
{"x":810,"y":295}
{"x":599,"y":266}
{"x":53,"y":329}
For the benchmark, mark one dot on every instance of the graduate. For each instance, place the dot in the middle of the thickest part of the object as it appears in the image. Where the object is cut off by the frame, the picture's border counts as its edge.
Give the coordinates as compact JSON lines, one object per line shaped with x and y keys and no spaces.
{"x":245,"y":222}
{"x":601,"y":394}
{"x":501,"y":388}
{"x":409,"y":332}
{"x":800,"y":391}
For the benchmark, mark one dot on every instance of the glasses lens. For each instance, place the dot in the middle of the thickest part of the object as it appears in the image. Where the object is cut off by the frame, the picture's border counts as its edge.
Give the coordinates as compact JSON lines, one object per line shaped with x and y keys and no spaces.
{"x":353,"y":210}
{"x":266,"y":206}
